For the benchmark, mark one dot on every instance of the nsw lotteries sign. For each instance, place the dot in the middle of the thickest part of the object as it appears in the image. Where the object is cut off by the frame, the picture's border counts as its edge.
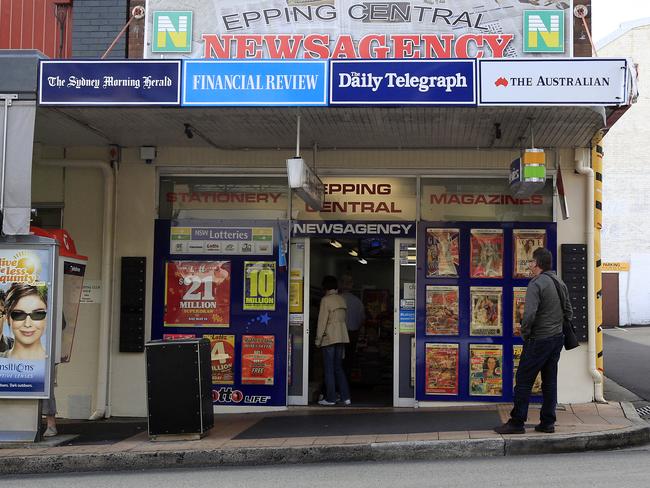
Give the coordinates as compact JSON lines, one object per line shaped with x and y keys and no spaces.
{"x":357,"y":29}
{"x":423,"y":82}
{"x":553,"y":82}
{"x":255,"y":83}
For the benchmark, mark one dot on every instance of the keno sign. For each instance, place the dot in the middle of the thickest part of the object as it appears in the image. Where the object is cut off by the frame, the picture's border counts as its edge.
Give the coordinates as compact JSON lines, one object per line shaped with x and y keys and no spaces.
{"x":357,"y":29}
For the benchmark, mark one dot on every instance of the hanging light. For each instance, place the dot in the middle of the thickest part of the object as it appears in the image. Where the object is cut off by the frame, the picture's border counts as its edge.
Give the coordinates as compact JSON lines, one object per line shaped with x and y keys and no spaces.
{"x":353,"y":253}
{"x":363,"y":261}
{"x":336,"y":244}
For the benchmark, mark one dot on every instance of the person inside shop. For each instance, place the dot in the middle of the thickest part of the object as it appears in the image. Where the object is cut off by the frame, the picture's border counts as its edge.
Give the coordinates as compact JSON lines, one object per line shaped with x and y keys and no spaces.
{"x":354,"y":319}
{"x":331,"y":338}
{"x":6,"y":342}
{"x":541,"y":328}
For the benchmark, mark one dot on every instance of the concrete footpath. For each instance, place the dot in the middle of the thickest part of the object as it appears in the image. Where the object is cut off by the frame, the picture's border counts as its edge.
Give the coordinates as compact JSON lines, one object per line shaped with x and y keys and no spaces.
{"x":580,"y":427}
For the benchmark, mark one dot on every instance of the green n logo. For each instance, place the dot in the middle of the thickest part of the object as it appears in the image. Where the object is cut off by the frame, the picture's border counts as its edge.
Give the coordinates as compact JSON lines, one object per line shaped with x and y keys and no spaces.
{"x":172,"y":32}
{"x":543,"y":31}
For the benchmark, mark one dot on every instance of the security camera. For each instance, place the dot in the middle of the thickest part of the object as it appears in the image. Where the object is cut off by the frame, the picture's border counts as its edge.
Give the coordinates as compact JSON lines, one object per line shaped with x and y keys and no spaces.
{"x":189,"y":131}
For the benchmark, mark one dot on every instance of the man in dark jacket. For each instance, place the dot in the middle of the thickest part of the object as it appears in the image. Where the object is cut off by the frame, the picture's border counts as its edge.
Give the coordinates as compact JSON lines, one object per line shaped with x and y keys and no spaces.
{"x":541,"y":330}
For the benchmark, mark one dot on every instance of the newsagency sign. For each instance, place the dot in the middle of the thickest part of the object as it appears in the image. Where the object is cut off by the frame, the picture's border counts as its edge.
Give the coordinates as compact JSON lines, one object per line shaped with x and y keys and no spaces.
{"x":553,"y":82}
{"x":354,"y":29}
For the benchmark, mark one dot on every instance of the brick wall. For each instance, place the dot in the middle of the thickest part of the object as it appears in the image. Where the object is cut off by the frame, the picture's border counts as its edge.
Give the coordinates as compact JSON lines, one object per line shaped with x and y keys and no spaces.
{"x":94,"y":26}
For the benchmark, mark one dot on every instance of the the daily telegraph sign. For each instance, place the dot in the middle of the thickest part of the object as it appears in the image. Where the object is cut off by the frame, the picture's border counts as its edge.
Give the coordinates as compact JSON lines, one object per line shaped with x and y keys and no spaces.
{"x":261,"y":83}
{"x":375,"y":82}
{"x":110,"y":82}
{"x":356,"y":29}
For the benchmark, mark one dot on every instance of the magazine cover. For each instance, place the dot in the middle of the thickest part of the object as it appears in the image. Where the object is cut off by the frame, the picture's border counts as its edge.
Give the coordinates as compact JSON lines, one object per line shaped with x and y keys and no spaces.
{"x":524,"y":244}
{"x":518,"y":305}
{"x":486,"y":249}
{"x":442,"y":252}
{"x":486,"y":315}
{"x":222,"y":357}
{"x":441,"y":369}
{"x":442,"y":310}
{"x":485,"y":369}
{"x":516,"y":356}
{"x":197,"y":294}
{"x":257,"y":359}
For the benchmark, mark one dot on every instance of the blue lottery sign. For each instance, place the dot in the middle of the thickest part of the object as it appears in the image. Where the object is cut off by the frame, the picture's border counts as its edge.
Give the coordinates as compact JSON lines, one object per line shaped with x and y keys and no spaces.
{"x":109,"y":82}
{"x":404,"y":82}
{"x":254,"y":83}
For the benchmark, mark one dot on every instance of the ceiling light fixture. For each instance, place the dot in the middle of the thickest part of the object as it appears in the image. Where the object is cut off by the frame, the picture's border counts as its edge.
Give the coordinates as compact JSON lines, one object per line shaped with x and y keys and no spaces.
{"x":336,"y":244}
{"x":363,"y":261}
{"x":353,"y":253}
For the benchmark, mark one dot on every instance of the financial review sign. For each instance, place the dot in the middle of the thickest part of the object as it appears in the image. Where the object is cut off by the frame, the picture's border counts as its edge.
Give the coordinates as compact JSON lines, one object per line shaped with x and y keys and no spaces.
{"x":357,"y":29}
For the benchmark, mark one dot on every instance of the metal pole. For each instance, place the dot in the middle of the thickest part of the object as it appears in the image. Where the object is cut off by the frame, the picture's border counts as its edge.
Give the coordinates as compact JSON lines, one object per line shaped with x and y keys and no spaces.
{"x":298,"y":136}
{"x":7,"y":99}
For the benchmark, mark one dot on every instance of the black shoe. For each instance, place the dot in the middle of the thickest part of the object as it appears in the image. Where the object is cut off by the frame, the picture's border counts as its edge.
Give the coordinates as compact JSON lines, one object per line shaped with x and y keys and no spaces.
{"x":548,"y":429}
{"x":510,"y":428}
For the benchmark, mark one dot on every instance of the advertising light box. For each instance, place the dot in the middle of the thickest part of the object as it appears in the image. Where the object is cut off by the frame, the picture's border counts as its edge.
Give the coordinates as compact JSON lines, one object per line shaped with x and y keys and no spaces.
{"x":419,"y":82}
{"x":255,"y":83}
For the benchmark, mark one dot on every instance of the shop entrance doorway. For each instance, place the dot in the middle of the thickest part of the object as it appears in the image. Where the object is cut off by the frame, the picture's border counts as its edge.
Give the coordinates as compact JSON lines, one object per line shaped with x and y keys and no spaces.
{"x":365,"y":273}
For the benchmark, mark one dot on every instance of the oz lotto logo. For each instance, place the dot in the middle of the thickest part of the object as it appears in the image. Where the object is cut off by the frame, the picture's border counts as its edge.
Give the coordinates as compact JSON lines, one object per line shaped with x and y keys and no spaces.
{"x":172,"y":32}
{"x":544,"y":31}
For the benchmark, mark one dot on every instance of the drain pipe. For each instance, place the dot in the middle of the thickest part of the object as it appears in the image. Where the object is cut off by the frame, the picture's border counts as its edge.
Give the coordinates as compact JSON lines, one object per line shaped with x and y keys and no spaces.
{"x":106,"y":279}
{"x":582,"y":166}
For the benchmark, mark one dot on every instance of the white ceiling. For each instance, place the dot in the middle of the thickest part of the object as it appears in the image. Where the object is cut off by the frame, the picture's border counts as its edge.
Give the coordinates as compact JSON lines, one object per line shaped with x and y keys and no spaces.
{"x":329,"y":127}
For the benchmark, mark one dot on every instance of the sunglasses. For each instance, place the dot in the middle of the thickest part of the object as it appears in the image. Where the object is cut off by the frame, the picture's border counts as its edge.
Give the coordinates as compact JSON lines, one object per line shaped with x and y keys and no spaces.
{"x":19,"y":315}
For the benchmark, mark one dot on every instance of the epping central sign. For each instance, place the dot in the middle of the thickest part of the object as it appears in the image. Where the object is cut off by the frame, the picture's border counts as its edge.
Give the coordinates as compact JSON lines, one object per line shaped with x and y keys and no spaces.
{"x":357,"y":29}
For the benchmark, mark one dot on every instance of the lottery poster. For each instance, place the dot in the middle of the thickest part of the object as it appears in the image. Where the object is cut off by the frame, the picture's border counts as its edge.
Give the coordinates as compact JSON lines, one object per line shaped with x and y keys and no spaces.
{"x":197,"y":294}
{"x":257,"y":359}
{"x":524,"y":244}
{"x":486,"y":370}
{"x":516,"y":357}
{"x":442,"y":310}
{"x":486,"y":250}
{"x":259,"y":285}
{"x":222,"y":358}
{"x":442,"y":252}
{"x":441,"y":369}
{"x":486,"y":317}
{"x":518,"y":306}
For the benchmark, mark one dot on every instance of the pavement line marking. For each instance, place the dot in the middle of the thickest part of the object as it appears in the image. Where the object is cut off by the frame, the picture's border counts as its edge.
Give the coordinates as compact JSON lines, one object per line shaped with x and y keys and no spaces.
{"x":622,"y":329}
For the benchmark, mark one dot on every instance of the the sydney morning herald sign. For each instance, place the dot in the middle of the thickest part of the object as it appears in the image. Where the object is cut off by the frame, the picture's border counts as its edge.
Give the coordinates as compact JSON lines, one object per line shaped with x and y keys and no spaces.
{"x":357,"y":29}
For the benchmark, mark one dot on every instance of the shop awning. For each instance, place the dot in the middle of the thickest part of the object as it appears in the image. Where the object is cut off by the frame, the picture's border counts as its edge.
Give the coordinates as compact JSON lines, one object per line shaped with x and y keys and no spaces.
{"x":328,"y":127}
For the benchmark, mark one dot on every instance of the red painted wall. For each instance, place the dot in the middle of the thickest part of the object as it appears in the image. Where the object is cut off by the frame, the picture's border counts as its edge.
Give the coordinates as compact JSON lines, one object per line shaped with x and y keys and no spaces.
{"x":33,"y":24}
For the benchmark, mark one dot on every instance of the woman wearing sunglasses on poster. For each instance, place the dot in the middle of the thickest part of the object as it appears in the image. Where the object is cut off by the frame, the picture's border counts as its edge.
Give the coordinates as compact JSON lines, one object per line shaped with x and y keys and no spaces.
{"x":26,"y":313}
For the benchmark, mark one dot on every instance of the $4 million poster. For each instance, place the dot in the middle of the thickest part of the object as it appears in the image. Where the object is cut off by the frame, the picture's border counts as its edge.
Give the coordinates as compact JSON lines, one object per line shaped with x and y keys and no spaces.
{"x":524,"y":243}
{"x":441,"y":369}
{"x":442,"y":252}
{"x":442,"y":310}
{"x":197,"y":294}
{"x":486,"y":369}
{"x":257,"y":359}
{"x":486,"y":249}
{"x":222,"y":357}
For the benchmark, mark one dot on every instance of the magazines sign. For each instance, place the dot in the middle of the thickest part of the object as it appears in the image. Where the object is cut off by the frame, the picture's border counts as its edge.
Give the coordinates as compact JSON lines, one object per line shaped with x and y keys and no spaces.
{"x":354,"y":29}
{"x":553,"y":82}
{"x":197,"y":294}
{"x":419,"y":82}
{"x":26,"y":277}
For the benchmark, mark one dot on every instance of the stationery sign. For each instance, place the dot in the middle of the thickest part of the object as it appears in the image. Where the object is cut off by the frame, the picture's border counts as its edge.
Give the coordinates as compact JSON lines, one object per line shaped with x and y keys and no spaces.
{"x":109,"y":82}
{"x":255,"y":83}
{"x":419,"y":82}
{"x":553,"y":82}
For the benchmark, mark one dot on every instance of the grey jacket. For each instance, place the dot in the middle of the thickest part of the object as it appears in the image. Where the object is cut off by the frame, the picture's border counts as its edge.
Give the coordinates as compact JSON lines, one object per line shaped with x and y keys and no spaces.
{"x":543,"y":313}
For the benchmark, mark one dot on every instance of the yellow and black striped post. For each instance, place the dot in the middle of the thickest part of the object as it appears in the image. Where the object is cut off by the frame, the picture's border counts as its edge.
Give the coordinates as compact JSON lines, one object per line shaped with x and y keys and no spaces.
{"x":597,"y":166}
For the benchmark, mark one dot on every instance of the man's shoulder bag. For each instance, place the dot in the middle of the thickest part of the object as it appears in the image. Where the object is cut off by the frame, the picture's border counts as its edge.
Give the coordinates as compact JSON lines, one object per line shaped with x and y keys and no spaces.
{"x":570,"y":338}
